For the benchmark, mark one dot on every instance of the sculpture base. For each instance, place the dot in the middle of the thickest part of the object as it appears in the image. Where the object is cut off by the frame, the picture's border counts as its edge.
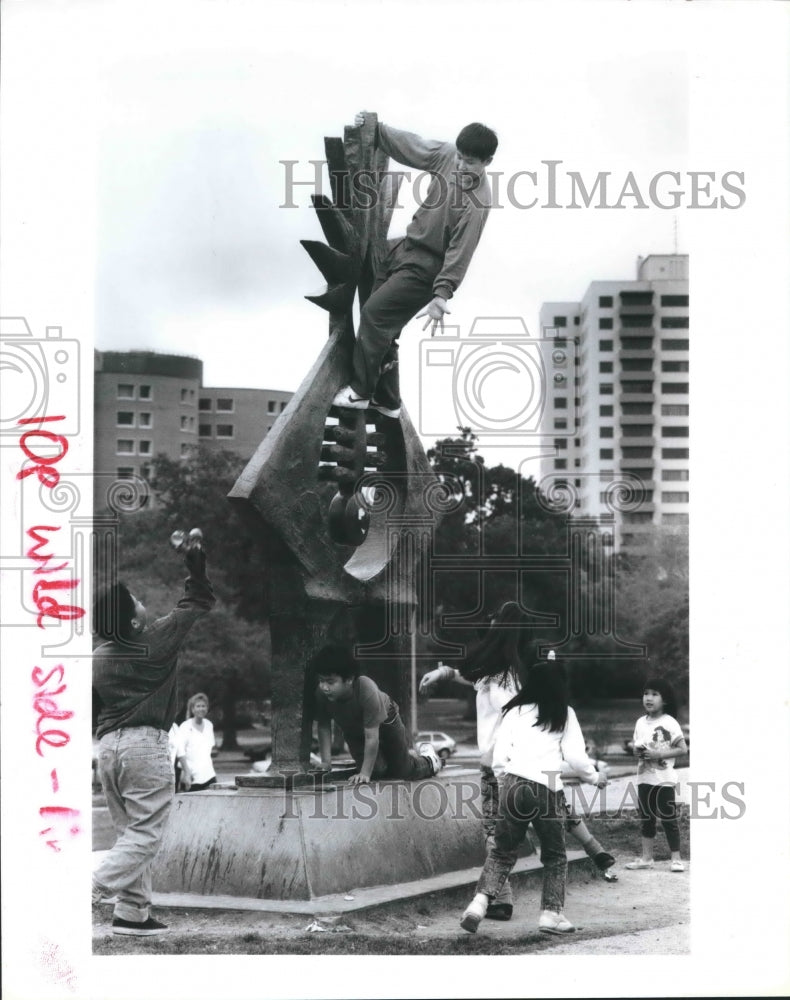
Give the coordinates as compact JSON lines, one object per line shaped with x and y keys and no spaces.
{"x":305,"y":843}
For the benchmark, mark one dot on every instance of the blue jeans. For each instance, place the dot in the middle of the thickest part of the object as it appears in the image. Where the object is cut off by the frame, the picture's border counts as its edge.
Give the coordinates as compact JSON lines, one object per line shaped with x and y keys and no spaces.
{"x":489,"y":788}
{"x":523,"y":802}
{"x":137,"y":778}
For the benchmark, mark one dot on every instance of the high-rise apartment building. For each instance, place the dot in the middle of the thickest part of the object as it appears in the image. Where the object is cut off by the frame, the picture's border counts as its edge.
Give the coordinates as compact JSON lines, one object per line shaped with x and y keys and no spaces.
{"x":620,"y":426}
{"x":146,"y":404}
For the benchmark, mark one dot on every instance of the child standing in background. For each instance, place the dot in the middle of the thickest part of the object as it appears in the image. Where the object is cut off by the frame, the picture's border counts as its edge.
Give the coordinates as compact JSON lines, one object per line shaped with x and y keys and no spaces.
{"x":658,"y":740}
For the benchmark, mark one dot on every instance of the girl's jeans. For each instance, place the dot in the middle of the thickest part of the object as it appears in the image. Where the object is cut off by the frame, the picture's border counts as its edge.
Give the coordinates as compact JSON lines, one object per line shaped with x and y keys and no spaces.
{"x":137,"y":778}
{"x":657,"y":802}
{"x":489,"y":787}
{"x":523,"y":802}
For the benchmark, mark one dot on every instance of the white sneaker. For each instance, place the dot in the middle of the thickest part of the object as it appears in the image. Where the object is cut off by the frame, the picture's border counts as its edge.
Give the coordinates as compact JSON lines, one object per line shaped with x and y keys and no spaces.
{"x":473,"y":914}
{"x":552,"y":922}
{"x":426,"y":750}
{"x":639,"y":864}
{"x":347,"y":398}
{"x":385,"y":410}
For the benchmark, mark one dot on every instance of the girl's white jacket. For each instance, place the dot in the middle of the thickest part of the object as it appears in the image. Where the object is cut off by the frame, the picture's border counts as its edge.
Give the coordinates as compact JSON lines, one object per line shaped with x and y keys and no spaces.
{"x":533,"y":752}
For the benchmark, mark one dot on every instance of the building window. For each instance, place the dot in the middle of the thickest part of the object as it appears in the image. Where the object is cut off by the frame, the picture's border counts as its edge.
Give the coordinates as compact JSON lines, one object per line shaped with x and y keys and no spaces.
{"x":674,"y":432}
{"x":560,"y":321}
{"x":605,"y":411}
{"x":204,"y":404}
{"x":637,"y":517}
{"x":224,"y":405}
{"x":606,"y":453}
{"x":605,"y":301}
{"x":605,"y":323}
{"x":674,"y":497}
{"x":271,"y":406}
{"x":607,"y":432}
{"x":145,"y":471}
{"x":672,"y":344}
{"x":606,"y":389}
{"x":636,"y":343}
{"x":560,"y":403}
{"x":124,"y":418}
{"x":675,"y":518}
{"x":560,"y":443}
{"x":577,"y":463}
{"x":186,"y":450}
{"x":124,"y":446}
{"x":144,"y":420}
{"x":125,"y":390}
{"x":644,"y":475}
{"x":638,"y":452}
{"x":577,"y":442}
{"x":674,"y":322}
{"x":637,"y":430}
{"x":675,"y":388}
{"x":636,"y":322}
{"x":560,"y":425}
{"x":674,"y":366}
{"x":144,"y":392}
{"x":675,"y":475}
{"x":185,"y":395}
{"x":674,"y":300}
{"x":144,"y":447}
{"x":224,"y":430}
{"x":125,"y":471}
{"x":560,"y":463}
{"x":185,"y":423}
{"x":606,"y":345}
{"x":637,"y":364}
{"x":637,"y":409}
{"x":674,"y":453}
{"x":636,"y":298}
{"x":644,"y":388}
{"x":204,"y":430}
{"x":605,"y":367}
{"x":674,"y":409}
{"x":283,"y":405}
{"x":575,"y":320}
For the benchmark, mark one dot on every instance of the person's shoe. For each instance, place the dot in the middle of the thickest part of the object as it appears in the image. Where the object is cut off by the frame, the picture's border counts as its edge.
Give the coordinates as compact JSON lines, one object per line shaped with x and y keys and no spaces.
{"x":603,"y":860}
{"x":350,"y":400}
{"x":387,"y":411}
{"x":499,"y":911}
{"x":426,"y":750}
{"x":137,"y":928}
{"x":639,"y":864}
{"x":552,"y":922}
{"x":677,"y":866}
{"x":473,"y":914}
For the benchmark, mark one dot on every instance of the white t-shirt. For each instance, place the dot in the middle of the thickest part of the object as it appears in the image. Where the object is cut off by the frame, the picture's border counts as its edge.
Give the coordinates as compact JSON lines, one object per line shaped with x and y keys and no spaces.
{"x":533,"y":752}
{"x":196,"y":745}
{"x":662,"y":733}
{"x":491,"y":699}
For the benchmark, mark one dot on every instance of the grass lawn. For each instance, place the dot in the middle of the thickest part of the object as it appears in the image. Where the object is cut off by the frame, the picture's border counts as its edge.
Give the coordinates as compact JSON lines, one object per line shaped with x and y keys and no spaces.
{"x":397,"y":928}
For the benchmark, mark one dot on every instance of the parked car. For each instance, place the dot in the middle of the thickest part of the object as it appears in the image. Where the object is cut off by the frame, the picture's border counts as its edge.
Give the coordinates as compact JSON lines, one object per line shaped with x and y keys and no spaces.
{"x":443,"y":744}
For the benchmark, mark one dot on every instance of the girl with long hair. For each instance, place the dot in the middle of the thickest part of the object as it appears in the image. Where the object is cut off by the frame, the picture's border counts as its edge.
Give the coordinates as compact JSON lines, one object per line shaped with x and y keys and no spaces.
{"x":539,"y":731}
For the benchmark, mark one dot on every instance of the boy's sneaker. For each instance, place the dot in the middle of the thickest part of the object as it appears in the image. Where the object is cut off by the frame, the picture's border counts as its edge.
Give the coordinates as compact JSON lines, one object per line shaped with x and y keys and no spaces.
{"x":426,"y":750}
{"x":639,"y":864}
{"x":603,"y":860}
{"x":350,"y":400}
{"x":499,"y":911}
{"x":677,"y":866}
{"x":387,"y":411}
{"x":137,"y":928}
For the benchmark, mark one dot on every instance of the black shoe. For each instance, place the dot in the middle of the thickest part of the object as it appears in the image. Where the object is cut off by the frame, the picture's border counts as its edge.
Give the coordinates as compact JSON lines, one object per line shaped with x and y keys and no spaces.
{"x":137,"y":928}
{"x":603,"y":861}
{"x":499,"y":911}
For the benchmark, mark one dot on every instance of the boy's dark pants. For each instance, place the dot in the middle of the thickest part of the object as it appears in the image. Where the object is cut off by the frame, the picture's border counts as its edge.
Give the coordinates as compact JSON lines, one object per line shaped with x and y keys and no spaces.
{"x":404,"y":284}
{"x":395,"y":758}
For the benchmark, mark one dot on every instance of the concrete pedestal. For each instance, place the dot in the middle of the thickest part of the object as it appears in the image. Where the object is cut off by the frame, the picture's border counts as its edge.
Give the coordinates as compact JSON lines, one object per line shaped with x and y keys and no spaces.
{"x":305,"y":843}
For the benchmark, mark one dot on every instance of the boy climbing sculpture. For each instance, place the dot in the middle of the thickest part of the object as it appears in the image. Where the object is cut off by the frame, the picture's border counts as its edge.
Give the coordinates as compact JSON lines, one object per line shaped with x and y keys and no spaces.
{"x":425,"y":268}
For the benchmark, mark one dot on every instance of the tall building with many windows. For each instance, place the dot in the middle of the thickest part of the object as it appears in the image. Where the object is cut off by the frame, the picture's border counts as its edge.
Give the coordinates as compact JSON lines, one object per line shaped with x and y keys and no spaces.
{"x":628,"y":403}
{"x":146,"y":404}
